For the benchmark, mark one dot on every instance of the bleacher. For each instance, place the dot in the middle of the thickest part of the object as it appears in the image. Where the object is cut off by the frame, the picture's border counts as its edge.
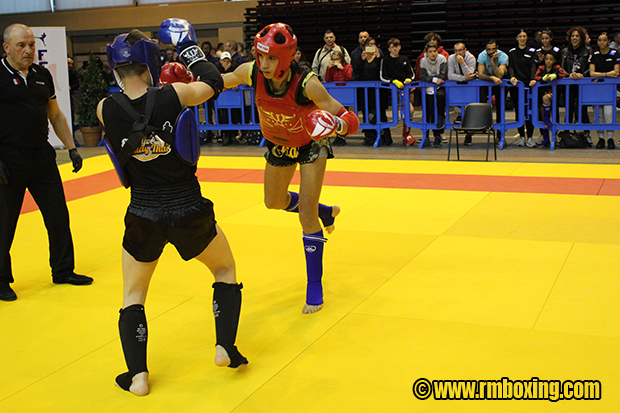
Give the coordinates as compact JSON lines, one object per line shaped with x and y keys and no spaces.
{"x":471,"y":21}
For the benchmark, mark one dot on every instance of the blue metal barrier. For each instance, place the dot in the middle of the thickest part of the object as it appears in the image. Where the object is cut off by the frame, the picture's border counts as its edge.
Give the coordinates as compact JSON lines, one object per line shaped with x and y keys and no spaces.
{"x":461,"y":94}
{"x":592,"y":91}
{"x":344,"y":92}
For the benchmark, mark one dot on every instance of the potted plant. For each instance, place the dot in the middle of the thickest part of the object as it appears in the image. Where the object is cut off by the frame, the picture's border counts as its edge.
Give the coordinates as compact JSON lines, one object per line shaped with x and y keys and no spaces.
{"x":94,"y":89}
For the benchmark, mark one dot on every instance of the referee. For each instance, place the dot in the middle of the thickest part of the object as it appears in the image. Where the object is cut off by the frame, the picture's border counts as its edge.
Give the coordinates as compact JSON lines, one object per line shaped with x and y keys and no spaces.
{"x":27,"y":160}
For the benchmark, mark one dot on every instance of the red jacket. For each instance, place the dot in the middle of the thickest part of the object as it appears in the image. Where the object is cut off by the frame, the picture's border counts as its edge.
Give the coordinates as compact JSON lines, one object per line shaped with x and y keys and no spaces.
{"x":334,"y":74}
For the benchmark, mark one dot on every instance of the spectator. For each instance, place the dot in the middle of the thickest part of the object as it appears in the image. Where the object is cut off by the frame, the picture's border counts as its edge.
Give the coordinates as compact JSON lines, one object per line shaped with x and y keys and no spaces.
{"x":74,"y":80}
{"x":434,"y":69}
{"x":461,"y":68}
{"x":300,"y":58}
{"x":338,"y":70}
{"x":229,"y":137}
{"x":396,"y":69}
{"x":536,"y":41}
{"x":356,"y":54}
{"x":605,"y":63}
{"x":615,"y":45}
{"x":173,"y":56}
{"x":546,"y":39}
{"x":492,"y":67}
{"x":28,"y":161}
{"x":207,"y":49}
{"x":368,"y":69}
{"x":430,"y":37}
{"x":163,"y":56}
{"x":219,"y":50}
{"x":547,"y":73}
{"x":574,"y":61}
{"x":323,"y":55}
{"x":232,"y":47}
{"x":522,"y":67}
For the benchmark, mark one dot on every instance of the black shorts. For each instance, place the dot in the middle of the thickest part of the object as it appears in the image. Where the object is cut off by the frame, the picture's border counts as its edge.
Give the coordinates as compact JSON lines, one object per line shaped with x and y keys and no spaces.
{"x":278,"y":155}
{"x":145,"y":239}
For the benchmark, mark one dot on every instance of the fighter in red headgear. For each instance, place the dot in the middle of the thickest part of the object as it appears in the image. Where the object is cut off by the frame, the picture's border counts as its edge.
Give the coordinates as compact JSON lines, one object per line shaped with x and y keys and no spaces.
{"x":297,"y":117}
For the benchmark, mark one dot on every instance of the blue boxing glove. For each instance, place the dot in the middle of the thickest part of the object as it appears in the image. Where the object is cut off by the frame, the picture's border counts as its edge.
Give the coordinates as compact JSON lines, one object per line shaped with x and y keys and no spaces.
{"x":177,"y":32}
{"x":180,"y":33}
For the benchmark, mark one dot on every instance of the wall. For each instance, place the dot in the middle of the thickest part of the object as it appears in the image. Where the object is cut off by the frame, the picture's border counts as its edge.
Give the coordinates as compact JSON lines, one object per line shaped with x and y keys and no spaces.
{"x":96,"y":27}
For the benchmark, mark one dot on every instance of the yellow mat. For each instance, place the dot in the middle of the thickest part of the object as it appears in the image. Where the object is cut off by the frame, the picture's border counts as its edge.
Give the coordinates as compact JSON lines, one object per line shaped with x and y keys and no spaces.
{"x":419,"y":284}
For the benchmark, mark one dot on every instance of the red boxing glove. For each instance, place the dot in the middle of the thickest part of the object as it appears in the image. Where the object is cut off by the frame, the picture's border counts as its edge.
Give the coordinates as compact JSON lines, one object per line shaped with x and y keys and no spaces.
{"x":175,"y":72}
{"x":321,"y":124}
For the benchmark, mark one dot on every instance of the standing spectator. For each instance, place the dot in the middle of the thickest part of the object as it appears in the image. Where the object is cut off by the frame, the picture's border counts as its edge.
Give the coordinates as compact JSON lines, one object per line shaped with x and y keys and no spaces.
{"x":461,"y":68}
{"x":356,"y":54}
{"x":492,"y":67}
{"x":430,"y":37}
{"x":522,"y":67}
{"x":74,"y":80}
{"x":300,"y":58}
{"x":605,"y":63}
{"x":28,"y":161}
{"x":546,"y":39}
{"x":232,"y":47}
{"x":536,"y":41}
{"x":396,"y":69}
{"x":574,"y":61}
{"x":615,"y":45}
{"x":546,"y":73}
{"x":368,"y":69}
{"x":323,"y":55}
{"x":434,"y":69}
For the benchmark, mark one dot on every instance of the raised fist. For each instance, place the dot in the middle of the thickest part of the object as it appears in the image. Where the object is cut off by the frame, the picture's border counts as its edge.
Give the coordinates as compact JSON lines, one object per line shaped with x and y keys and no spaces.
{"x":321,"y":124}
{"x":175,"y":72}
{"x":178,"y":32}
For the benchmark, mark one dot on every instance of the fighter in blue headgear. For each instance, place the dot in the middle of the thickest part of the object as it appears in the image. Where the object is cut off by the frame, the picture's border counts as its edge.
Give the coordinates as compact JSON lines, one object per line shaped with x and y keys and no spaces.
{"x":145,"y":52}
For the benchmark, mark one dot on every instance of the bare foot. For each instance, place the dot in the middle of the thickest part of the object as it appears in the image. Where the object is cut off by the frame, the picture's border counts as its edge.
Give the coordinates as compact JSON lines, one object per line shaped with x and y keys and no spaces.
{"x":223,"y":360}
{"x":139,"y":384}
{"x":330,"y":229}
{"x":310,"y":309}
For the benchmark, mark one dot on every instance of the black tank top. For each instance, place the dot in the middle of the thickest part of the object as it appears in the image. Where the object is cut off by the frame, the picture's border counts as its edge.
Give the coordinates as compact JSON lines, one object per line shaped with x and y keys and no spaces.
{"x":153,"y":163}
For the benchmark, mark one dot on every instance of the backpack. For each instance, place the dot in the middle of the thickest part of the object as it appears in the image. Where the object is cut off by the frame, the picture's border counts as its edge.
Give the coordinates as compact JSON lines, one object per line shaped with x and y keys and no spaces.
{"x":572,"y":140}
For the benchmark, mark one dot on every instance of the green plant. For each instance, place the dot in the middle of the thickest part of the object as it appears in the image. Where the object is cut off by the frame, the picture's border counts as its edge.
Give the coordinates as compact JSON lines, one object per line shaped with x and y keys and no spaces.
{"x":94,"y":89}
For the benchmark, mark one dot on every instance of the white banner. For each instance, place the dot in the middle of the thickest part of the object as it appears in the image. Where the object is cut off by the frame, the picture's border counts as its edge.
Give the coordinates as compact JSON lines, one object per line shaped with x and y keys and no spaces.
{"x":51,"y":44}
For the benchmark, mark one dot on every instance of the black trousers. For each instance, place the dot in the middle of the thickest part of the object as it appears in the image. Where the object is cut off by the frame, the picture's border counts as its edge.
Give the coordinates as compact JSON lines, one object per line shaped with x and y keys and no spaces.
{"x":36,"y":170}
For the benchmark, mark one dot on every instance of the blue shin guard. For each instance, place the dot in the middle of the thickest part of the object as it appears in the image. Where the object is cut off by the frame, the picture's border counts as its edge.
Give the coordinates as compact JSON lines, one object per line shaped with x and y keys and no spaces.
{"x":325,"y":212}
{"x":313,"y":246}
{"x":547,"y":115}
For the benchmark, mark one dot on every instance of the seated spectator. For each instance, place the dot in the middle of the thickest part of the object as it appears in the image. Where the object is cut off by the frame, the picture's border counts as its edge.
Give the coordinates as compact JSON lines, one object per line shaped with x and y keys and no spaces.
{"x":605,"y":63}
{"x":232,"y":47}
{"x":227,"y":65}
{"x":221,"y":48}
{"x":338,"y":70}
{"x":173,"y":56}
{"x":547,"y":73}
{"x":434,"y":69}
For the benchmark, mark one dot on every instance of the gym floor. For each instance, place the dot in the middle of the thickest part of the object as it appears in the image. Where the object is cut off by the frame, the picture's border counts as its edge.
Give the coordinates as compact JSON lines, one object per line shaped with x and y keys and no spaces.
{"x":437,"y":270}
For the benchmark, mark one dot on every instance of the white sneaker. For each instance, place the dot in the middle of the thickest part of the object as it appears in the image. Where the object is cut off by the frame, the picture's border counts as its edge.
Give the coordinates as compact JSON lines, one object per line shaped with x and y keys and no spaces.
{"x":521,"y":141}
{"x":530,"y":143}
{"x":443,"y":138}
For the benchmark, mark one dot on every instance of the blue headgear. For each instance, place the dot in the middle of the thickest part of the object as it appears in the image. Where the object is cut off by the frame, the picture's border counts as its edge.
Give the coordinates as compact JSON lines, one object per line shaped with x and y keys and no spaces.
{"x":145,"y":52}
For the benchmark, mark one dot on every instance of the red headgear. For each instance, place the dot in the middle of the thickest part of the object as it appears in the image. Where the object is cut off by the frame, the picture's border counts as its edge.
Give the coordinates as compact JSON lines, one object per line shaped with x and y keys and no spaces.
{"x":278,"y":40}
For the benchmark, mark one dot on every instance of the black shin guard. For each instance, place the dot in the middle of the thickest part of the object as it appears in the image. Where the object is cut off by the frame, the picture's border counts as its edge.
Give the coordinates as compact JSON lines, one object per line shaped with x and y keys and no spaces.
{"x":226,"y":310}
{"x":134,"y":334}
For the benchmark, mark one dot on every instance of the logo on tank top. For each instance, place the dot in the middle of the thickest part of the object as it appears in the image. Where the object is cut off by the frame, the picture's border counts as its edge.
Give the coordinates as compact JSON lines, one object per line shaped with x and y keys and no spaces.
{"x":150,"y":148}
{"x":278,"y":120}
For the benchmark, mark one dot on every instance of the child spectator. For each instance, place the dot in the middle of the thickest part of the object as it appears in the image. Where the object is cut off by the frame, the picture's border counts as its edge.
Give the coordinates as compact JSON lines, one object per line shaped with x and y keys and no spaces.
{"x":338,"y":70}
{"x":545,"y":74}
{"x":434,"y":69}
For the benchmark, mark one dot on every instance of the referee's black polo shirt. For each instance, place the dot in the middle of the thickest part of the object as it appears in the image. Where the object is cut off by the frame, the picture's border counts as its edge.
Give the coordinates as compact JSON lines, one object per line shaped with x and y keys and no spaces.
{"x":23,"y":106}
